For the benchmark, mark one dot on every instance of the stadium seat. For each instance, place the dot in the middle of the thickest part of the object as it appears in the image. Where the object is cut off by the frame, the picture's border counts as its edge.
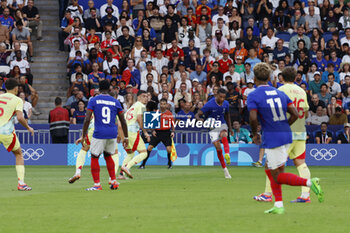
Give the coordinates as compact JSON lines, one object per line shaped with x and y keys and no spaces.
{"x":341,"y":35}
{"x":284,"y":36}
{"x":327,"y":36}
{"x":309,"y":34}
{"x":5,"y":69}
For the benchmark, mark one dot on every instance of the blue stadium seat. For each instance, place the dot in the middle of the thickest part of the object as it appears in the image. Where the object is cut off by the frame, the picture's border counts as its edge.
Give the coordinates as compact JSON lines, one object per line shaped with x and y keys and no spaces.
{"x":341,"y":35}
{"x":309,"y":34}
{"x":327,"y":36}
{"x":284,"y":36}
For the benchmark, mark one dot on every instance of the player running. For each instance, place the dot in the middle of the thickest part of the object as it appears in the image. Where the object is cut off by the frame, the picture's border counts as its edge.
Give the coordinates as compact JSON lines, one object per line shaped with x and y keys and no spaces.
{"x":218,"y":109}
{"x":104,"y":140}
{"x":297,"y":149}
{"x":272,"y":105}
{"x":11,"y":106}
{"x":163,"y":134}
{"x":134,"y":120}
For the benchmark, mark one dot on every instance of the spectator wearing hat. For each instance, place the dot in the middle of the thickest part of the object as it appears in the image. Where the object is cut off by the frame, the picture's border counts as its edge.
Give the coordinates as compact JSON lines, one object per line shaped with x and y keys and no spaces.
{"x":239,"y":66}
{"x":225,"y":61}
{"x":338,"y":118}
{"x":103,"y":9}
{"x":32,"y":14}
{"x":344,"y":137}
{"x":315,"y":85}
{"x":219,"y":42}
{"x":199,"y":75}
{"x":181,"y":67}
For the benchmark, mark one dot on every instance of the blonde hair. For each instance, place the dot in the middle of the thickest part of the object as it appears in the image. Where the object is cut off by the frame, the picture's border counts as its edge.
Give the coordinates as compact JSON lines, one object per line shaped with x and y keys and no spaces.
{"x":262,"y":71}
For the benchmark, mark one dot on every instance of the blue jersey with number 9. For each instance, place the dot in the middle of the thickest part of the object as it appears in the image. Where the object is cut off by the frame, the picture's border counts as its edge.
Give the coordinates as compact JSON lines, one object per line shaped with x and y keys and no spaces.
{"x":105,"y":109}
{"x":271,"y":105}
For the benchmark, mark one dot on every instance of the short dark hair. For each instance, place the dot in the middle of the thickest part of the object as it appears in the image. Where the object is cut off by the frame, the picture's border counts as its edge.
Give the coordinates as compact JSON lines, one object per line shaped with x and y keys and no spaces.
{"x":125,"y":27}
{"x":19,"y":23}
{"x":338,"y":109}
{"x":58,"y":101}
{"x":104,"y":85}
{"x":163,"y":100}
{"x":141,"y":92}
{"x":323,"y":85}
{"x":222,"y":91}
{"x":151,"y":106}
{"x":11,"y":84}
{"x":289,"y":74}
{"x":324,"y":123}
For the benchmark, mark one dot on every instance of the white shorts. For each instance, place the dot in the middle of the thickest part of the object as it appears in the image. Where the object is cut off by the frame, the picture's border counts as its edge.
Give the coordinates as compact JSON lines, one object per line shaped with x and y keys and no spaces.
{"x":215,"y":133}
{"x":276,"y":157}
{"x":98,"y":146}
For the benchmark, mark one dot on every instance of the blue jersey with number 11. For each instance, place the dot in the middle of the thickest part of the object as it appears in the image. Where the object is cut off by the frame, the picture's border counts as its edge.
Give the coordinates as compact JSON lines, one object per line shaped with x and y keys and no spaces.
{"x":271,"y":105}
{"x":105,"y":109}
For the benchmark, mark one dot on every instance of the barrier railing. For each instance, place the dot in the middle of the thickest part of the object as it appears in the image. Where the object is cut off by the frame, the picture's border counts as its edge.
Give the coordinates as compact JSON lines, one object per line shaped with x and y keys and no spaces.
{"x":42,"y":136}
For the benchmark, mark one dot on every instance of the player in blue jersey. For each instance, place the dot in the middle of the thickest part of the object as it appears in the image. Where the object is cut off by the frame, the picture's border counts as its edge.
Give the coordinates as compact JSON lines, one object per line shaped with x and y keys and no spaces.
{"x":104,"y":140}
{"x":270,"y":106}
{"x":218,"y":109}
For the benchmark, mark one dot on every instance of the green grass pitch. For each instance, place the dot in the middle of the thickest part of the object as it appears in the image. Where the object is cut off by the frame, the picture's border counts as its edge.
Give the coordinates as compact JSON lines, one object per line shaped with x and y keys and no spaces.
{"x":183,"y":199}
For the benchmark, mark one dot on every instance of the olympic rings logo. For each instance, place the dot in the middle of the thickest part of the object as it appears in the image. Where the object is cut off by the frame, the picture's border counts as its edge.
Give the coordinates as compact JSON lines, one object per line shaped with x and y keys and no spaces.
{"x":33,"y":154}
{"x":323,"y":154}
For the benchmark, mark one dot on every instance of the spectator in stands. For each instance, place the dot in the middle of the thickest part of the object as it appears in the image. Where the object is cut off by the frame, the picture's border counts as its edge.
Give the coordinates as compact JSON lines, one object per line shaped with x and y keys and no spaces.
{"x":334,"y":87}
{"x":59,"y":123}
{"x":219,"y":42}
{"x":236,"y":78}
{"x":345,"y":86}
{"x":281,"y":21}
{"x":6,"y":19}
{"x":93,"y":22}
{"x":234,"y":99}
{"x":79,"y":115}
{"x":87,"y":12}
{"x":4,"y":55}
{"x":199,"y":74}
{"x":315,"y":85}
{"x":263,"y":9}
{"x":30,"y":93}
{"x":159,"y":61}
{"x":252,"y":59}
{"x":302,"y":60}
{"x":323,"y":136}
{"x":315,"y":103}
{"x":318,"y":118}
{"x":76,"y":9}
{"x":80,"y":83}
{"x":22,"y":35}
{"x":240,"y":135}
{"x":126,"y":40}
{"x":344,"y":137}
{"x":338,"y":118}
{"x":185,"y":113}
{"x":330,"y":70}
{"x":109,"y":4}
{"x":66,"y":26}
{"x":95,"y":76}
{"x":332,"y":106}
{"x":109,"y":62}
{"x":131,"y":75}
{"x":298,"y":20}
{"x":27,"y":107}
{"x":74,"y":106}
{"x":182,"y":93}
{"x":312,"y":20}
{"x":324,"y":94}
{"x":149,"y":83}
{"x":279,"y":52}
{"x":183,"y":79}
{"x":4,"y":34}
{"x":32,"y":14}
{"x":23,"y":66}
{"x":300,"y":36}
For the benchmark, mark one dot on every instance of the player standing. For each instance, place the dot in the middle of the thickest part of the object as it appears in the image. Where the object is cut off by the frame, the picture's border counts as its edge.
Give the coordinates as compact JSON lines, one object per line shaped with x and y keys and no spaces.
{"x":134,"y":120}
{"x":164,"y":134}
{"x":11,"y":105}
{"x":297,"y":149}
{"x":218,"y":109}
{"x":272,"y":105}
{"x":105,"y":109}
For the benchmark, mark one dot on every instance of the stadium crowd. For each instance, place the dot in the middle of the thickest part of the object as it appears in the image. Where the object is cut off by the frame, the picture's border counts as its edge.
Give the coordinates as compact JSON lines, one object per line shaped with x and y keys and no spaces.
{"x":184,"y":51}
{"x":18,"y":21}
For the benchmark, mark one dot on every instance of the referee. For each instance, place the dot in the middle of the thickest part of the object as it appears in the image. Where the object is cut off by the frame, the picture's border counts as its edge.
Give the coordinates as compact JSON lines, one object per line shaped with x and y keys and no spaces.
{"x":163,"y":134}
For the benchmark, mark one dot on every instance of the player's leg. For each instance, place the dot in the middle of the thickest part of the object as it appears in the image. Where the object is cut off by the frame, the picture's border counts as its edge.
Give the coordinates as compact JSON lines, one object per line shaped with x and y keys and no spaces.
{"x":165,"y":138}
{"x":79,"y":163}
{"x":267,"y":195}
{"x":297,"y":154}
{"x":261,"y":156}
{"x":97,"y":148}
{"x":152,"y":144}
{"x":223,"y":136}
{"x":141,"y":148}
{"x":168,"y":151}
{"x":110,"y":148}
{"x":115,"y":158}
{"x":221,"y":158}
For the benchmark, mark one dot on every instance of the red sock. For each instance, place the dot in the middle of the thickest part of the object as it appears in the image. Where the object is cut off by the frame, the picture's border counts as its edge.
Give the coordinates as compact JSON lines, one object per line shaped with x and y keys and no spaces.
{"x":291,"y":179}
{"x":226,"y":145}
{"x":221,"y":158}
{"x":95,"y":169}
{"x":276,"y":188}
{"x":110,"y":167}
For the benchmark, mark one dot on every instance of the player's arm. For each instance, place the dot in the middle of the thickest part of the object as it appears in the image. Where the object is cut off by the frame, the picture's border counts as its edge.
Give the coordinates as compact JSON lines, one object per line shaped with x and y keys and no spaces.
{"x":86,"y":123}
{"x":140,"y":121}
{"x":293,"y":114}
{"x":22,"y":121}
{"x":124,"y":127}
{"x":253,"y":121}
{"x":228,"y":121}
